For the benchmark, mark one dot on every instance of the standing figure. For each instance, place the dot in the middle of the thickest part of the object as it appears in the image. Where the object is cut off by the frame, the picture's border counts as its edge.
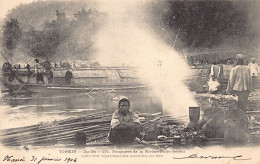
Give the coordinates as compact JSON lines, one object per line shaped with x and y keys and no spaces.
{"x":216,"y":74}
{"x":50,"y":77}
{"x":68,"y":77}
{"x":74,"y":64}
{"x":29,"y":73}
{"x":240,"y":82}
{"x":254,"y":70}
{"x":125,"y":125}
{"x":39,"y":71}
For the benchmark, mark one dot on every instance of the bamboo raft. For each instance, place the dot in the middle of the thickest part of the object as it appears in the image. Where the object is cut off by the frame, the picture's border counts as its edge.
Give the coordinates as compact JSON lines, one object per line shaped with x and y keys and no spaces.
{"x":95,"y":126}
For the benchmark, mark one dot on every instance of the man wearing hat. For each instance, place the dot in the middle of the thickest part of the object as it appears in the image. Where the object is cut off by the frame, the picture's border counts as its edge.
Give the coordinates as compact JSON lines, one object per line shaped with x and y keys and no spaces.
{"x":254,"y":70}
{"x":125,"y":125}
{"x":236,"y":124}
{"x":240,"y":82}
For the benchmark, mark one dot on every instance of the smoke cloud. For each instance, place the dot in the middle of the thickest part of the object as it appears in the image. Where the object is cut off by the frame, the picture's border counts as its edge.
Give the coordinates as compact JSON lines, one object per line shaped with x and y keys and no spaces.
{"x":123,"y":40}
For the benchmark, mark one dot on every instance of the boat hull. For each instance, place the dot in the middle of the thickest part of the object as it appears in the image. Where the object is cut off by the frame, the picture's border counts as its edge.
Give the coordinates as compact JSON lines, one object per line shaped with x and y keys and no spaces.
{"x":83,"y":80}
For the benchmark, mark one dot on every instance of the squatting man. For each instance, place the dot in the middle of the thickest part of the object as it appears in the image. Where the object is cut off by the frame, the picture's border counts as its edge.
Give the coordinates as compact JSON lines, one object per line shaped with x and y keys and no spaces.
{"x":125,"y":125}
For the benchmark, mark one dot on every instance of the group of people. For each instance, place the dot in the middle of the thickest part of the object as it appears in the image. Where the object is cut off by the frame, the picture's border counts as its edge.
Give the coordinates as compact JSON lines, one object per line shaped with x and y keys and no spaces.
{"x":242,"y":79}
{"x":39,"y":70}
{"x":64,"y":64}
{"x":230,"y":124}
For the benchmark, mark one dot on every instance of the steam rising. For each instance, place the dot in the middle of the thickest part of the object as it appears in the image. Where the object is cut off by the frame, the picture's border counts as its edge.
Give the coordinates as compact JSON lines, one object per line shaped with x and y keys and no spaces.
{"x":123,"y":40}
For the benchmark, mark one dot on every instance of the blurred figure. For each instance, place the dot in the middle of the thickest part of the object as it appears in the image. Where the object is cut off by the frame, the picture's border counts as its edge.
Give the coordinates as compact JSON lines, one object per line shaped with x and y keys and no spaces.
{"x":212,"y":123}
{"x":215,"y":71}
{"x":240,"y":82}
{"x":254,"y":70}
{"x":39,"y":71}
{"x":74,"y":64}
{"x":29,"y":73}
{"x":50,"y":76}
{"x":68,"y":77}
{"x":216,"y":78}
{"x":236,"y":124}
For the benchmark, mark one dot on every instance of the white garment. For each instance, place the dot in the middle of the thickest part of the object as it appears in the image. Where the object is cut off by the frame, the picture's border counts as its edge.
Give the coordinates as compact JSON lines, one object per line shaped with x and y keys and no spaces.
{"x":213,"y":85}
{"x":215,"y":71}
{"x":254,"y":69}
{"x":239,"y":79}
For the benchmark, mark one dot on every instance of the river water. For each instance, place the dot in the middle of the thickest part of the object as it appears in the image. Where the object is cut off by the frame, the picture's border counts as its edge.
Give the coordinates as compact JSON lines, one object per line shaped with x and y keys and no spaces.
{"x":29,"y":109}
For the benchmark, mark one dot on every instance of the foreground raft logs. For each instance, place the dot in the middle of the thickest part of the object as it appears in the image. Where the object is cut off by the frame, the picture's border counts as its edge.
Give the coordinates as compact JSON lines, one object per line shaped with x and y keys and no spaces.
{"x":92,"y":127}
{"x":91,"y":130}
{"x":62,"y":131}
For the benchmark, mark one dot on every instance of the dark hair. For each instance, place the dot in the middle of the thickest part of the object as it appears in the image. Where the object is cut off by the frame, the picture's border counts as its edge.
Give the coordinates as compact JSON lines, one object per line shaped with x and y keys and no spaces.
{"x":36,"y":60}
{"x":123,"y":100}
{"x":239,"y":62}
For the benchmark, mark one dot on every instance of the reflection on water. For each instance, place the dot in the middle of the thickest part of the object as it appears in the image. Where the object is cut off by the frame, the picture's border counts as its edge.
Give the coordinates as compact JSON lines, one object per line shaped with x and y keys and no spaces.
{"x":28,"y":109}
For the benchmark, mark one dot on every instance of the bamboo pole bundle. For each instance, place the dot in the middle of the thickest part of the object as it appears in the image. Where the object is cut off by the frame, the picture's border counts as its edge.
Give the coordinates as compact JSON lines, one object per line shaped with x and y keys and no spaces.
{"x":71,"y":136}
{"x":37,"y":135}
{"x":18,"y":130}
{"x":98,"y":137}
{"x":61,"y":122}
{"x":83,"y":117}
{"x":52,"y":136}
{"x":44,"y":133}
{"x":94,"y":125}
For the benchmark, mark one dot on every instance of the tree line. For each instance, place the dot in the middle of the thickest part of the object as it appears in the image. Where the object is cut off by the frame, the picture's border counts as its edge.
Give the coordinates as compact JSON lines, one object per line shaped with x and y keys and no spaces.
{"x":200,"y":25}
{"x":206,"y":24}
{"x":44,"y":43}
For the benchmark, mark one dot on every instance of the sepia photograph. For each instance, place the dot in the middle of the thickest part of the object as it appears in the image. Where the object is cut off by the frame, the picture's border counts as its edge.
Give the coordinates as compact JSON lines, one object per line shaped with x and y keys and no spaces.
{"x":129,"y":81}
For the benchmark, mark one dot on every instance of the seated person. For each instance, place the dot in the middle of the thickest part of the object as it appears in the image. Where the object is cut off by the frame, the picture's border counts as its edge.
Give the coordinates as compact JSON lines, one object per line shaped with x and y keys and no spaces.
{"x":125,"y":125}
{"x":236,"y":124}
{"x":212,"y":123}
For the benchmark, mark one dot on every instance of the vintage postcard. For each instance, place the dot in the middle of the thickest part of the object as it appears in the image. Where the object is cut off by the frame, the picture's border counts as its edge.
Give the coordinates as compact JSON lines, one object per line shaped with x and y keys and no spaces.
{"x":129,"y":81}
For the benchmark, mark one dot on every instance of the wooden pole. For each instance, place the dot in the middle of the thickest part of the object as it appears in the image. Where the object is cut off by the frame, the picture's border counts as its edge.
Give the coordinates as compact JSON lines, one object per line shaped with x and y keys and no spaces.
{"x":176,"y":38}
{"x":24,"y":83}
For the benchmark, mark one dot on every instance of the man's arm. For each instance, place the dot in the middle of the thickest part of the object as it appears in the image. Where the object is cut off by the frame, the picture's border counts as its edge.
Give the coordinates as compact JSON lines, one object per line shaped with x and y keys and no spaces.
{"x":218,"y":115}
{"x":135,"y":123}
{"x":250,"y":81}
{"x":257,"y":67}
{"x":115,"y":120}
{"x":231,"y":80}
